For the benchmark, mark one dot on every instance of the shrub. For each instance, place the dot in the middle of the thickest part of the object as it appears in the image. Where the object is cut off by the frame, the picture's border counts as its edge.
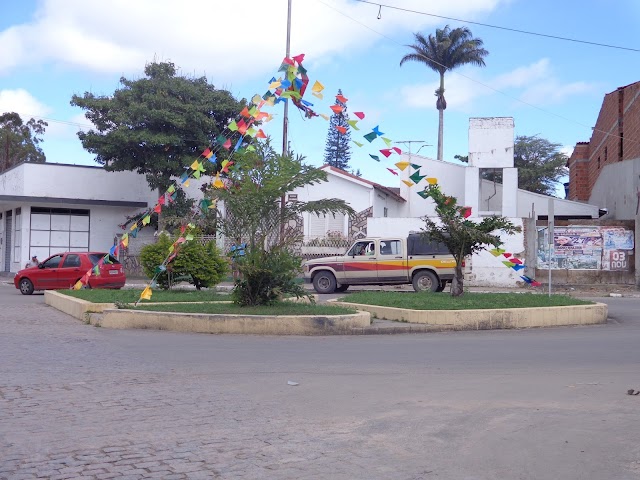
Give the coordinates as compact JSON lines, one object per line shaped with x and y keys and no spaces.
{"x":202,"y":265}
{"x":267,"y":277}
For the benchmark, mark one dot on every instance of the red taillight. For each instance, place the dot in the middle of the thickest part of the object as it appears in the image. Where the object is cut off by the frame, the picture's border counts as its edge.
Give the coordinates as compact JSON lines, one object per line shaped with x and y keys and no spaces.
{"x":463,"y":264}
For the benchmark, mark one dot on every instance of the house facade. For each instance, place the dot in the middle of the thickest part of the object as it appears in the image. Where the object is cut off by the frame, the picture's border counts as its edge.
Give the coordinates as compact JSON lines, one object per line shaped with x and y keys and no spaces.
{"x":47,"y":208}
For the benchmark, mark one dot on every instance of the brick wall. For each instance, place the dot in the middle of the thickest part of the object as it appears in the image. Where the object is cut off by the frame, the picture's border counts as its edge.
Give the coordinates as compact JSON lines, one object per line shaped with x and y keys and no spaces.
{"x":615,"y":138}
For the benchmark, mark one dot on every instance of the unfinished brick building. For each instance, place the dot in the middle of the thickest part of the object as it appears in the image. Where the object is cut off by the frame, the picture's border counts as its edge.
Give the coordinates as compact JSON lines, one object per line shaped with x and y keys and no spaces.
{"x":615,"y":138}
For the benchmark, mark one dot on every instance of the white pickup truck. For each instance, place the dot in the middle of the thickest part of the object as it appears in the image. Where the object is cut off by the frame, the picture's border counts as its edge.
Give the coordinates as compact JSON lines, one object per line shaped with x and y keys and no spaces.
{"x":384,"y":261}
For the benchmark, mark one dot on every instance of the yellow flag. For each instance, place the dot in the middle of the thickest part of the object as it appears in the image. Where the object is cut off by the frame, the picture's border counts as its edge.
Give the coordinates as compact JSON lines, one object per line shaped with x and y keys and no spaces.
{"x":125,"y":240}
{"x":217,"y":183}
{"x":186,"y":184}
{"x":408,"y":183}
{"x":317,"y":95}
{"x":275,"y":84}
{"x":134,"y":226}
{"x":146,"y":294}
{"x":317,"y":87}
{"x":78,"y":285}
{"x":195,"y":165}
{"x":256,"y":99}
{"x":146,"y":220}
{"x":432,"y":181}
{"x":402,"y":165}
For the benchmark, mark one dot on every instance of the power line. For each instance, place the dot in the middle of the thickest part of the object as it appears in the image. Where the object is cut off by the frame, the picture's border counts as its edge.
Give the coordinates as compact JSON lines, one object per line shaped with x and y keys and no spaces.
{"x":526,"y":32}
{"x":548,"y":112}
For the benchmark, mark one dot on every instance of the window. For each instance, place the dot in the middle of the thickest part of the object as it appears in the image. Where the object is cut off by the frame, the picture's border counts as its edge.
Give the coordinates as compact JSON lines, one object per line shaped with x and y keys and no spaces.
{"x":390,"y":247}
{"x":362,"y":248}
{"x":71,"y":261}
{"x":386,"y":212}
{"x":598,"y":163}
{"x":620,"y":146}
{"x":17,"y":236}
{"x":606,"y":154}
{"x":53,"y":262}
{"x":56,"y":230}
{"x":319,"y":225}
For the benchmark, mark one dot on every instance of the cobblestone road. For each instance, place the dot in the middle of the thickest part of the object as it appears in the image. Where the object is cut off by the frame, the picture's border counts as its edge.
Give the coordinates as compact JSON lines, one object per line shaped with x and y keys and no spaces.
{"x":83,"y":402}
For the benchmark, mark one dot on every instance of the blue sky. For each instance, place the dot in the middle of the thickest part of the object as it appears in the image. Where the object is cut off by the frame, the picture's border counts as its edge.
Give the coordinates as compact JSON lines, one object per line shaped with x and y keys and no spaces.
{"x":52,"y":49}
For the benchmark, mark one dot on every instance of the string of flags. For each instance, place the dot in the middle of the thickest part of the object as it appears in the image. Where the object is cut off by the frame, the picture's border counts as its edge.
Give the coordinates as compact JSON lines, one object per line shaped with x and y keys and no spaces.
{"x":514,"y":263}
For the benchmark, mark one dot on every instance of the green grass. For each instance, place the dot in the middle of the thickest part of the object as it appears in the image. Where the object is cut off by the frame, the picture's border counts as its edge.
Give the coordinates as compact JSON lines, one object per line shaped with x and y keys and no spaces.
{"x":131,"y":296}
{"x":282,"y":308}
{"x":468,"y":301}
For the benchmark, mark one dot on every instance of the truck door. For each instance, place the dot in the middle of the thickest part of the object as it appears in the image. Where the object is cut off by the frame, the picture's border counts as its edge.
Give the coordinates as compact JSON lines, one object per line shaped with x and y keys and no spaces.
{"x":391,"y":261}
{"x":360,"y":264}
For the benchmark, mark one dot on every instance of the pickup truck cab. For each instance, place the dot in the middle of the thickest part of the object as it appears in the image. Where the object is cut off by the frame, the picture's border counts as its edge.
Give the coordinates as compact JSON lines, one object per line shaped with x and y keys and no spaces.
{"x":428,"y":266}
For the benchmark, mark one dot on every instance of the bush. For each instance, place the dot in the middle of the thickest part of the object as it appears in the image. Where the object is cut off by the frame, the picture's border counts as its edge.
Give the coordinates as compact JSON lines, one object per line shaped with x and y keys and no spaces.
{"x":202,"y":265}
{"x":267,"y":277}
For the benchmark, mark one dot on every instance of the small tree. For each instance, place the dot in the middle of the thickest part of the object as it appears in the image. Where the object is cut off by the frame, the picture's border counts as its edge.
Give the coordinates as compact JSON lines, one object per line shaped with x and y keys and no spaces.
{"x":253,"y":214}
{"x":202,"y":264}
{"x":462,"y":236}
{"x":19,"y":141}
{"x":337,"y":150}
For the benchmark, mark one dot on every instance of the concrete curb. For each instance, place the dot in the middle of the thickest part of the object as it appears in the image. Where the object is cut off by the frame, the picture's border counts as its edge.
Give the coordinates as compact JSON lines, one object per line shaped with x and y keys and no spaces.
{"x":106,"y":315}
{"x":487,"y":319}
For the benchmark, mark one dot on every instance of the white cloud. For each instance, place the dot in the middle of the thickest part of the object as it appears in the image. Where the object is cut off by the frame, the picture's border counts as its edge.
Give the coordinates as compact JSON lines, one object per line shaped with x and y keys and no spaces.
{"x":535,"y":84}
{"x":227,"y":38}
{"x":23,"y":103}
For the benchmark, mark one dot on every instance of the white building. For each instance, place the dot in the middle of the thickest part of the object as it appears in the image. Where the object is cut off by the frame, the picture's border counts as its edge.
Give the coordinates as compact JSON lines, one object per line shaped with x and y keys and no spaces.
{"x":47,"y":208}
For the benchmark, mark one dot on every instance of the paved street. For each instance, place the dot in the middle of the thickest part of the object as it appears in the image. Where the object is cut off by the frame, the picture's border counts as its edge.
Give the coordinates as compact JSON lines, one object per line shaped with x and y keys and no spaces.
{"x":78,"y":401}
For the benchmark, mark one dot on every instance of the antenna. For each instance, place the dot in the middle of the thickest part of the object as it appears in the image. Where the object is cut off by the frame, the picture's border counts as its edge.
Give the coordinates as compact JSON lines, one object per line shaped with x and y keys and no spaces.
{"x":409,"y":142}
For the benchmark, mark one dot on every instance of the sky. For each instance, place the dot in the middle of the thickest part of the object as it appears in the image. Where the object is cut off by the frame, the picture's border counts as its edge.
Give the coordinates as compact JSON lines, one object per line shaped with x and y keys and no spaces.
{"x":53,"y":49}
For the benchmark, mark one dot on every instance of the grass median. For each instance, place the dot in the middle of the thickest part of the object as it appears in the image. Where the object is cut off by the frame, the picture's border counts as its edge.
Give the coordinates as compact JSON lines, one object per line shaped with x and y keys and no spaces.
{"x":131,"y":296}
{"x":468,"y":301}
{"x":281,"y":308}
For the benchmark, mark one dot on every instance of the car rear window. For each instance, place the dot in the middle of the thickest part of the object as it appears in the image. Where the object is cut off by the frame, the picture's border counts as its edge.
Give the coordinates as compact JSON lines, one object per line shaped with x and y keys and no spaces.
{"x":95,"y":258}
{"x":419,"y":245}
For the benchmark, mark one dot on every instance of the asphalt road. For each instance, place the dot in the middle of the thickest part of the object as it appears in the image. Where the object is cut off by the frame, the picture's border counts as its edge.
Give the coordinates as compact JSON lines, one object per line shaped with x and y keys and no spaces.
{"x":78,"y":401}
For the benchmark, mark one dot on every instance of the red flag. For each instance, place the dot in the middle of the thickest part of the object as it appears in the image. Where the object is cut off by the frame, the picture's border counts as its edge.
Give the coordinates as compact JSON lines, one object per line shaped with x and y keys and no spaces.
{"x":342,"y":130}
{"x":360,"y":115}
{"x":227,"y":144}
{"x":392,"y":171}
{"x":157,"y":208}
{"x":506,"y":255}
{"x":398,"y":151}
{"x":161,"y":200}
{"x":299,"y":58}
{"x":205,"y":153}
{"x":260,"y":134}
{"x":245,"y":112}
{"x":337,"y":109}
{"x":386,"y":152}
{"x":342,"y":98}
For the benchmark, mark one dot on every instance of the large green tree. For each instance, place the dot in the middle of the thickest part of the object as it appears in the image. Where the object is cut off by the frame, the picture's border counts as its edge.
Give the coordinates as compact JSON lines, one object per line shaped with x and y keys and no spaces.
{"x":446,"y":50}
{"x":462,"y":237}
{"x":155,"y":125}
{"x":253,"y":214}
{"x":540,"y":164}
{"x":337,"y":150}
{"x":19,"y":141}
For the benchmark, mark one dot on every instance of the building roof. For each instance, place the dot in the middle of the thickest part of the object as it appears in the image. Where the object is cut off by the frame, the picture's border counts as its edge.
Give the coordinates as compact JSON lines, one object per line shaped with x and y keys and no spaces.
{"x":392,"y":192}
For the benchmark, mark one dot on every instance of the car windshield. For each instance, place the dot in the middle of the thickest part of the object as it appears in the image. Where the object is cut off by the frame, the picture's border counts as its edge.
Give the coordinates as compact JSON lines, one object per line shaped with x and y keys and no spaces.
{"x":95,"y":258}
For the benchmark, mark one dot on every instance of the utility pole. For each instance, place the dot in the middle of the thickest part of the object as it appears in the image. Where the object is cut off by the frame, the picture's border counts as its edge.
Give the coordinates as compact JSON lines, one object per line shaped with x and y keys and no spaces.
{"x":285,"y":123}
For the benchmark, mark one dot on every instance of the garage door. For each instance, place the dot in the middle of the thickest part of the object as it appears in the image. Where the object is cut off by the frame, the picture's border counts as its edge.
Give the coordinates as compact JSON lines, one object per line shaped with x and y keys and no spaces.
{"x":55,"y":230}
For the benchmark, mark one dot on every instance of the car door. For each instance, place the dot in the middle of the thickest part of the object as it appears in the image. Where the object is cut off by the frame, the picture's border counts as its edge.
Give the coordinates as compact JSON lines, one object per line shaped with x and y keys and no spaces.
{"x":69,"y":272}
{"x":47,"y":275}
{"x":360,"y":264}
{"x":391,"y":261}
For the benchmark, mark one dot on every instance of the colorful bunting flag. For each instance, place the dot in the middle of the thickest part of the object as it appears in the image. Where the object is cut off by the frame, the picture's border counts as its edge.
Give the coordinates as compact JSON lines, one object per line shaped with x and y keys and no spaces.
{"x":386,"y":152}
{"x":342,"y":130}
{"x":371,"y":136}
{"x":260,"y":134}
{"x":518,"y":267}
{"x":233,"y":126}
{"x":402,"y":165}
{"x":376,"y":129}
{"x":157,"y":208}
{"x":360,"y":115}
{"x":424,"y":194}
{"x":387,"y":141}
{"x":353,"y":124}
{"x":146,"y":220}
{"x":326,"y":117}
{"x":317,"y":95}
{"x":342,"y":98}
{"x":217,"y":183}
{"x":337,"y":109}
{"x":496,"y":252}
{"x":358,"y":143}
{"x":227,"y":144}
{"x":407,"y":183}
{"x":317,"y":87}
{"x":507,"y":263}
{"x":375,"y":157}
{"x":397,"y":150}
{"x":415,"y":166}
{"x":416,"y":177}
{"x":392,"y":171}
{"x":146,"y":293}
{"x":432,"y":180}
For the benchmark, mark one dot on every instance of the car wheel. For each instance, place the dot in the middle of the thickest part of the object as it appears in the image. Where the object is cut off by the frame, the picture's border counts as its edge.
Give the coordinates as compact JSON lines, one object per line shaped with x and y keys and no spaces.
{"x":425,"y":281}
{"x":26,"y":287}
{"x":342,"y":288}
{"x":324,"y":282}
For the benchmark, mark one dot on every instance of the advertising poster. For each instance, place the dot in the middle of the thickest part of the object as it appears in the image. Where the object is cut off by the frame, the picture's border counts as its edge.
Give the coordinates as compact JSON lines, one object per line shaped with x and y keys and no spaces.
{"x":586,"y":248}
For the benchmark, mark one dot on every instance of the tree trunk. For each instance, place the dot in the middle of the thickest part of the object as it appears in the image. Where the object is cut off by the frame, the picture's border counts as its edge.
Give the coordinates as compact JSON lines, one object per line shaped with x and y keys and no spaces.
{"x":457,"y":283}
{"x":441,"y":106}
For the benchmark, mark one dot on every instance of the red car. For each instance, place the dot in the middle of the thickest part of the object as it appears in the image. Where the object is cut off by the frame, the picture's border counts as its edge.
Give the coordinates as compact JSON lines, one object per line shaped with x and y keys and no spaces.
{"x":63,"y":270}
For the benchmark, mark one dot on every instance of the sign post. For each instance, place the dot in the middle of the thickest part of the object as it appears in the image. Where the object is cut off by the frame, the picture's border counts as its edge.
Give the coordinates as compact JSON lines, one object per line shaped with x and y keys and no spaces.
{"x":550,"y":222}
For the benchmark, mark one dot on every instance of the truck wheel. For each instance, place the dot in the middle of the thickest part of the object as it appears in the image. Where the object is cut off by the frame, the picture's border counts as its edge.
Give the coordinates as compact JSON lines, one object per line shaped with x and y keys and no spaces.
{"x":26,"y":287}
{"x":342,"y":288}
{"x":324,"y":282}
{"x":425,"y":281}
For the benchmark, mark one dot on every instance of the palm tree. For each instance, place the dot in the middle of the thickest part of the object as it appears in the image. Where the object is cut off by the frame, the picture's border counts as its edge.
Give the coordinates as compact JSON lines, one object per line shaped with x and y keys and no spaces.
{"x":449,"y":49}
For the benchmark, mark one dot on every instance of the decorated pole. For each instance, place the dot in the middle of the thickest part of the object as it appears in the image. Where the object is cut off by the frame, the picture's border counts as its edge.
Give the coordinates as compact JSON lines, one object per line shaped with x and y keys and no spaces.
{"x":285,"y":120}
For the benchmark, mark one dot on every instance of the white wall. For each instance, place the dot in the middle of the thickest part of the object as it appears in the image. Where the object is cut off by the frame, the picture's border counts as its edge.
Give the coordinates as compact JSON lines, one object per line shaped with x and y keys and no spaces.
{"x":12,"y":181}
{"x":91,"y":183}
{"x":382,"y":200}
{"x":616,"y":189}
{"x":450,"y":177}
{"x":491,"y":142}
{"x":357,"y":194}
